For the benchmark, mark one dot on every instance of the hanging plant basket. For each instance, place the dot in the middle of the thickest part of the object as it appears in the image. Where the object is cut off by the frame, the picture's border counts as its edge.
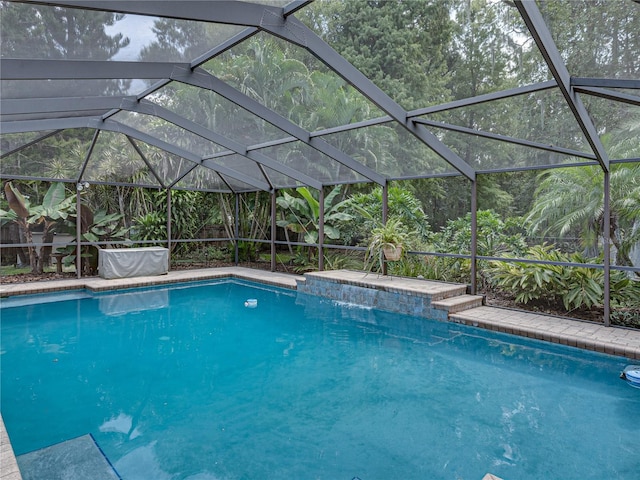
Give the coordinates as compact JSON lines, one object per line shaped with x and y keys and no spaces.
{"x":392,"y":253}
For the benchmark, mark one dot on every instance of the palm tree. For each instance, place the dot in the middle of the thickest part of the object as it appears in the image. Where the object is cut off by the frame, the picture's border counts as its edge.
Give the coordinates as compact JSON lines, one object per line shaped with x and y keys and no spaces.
{"x":572,"y":200}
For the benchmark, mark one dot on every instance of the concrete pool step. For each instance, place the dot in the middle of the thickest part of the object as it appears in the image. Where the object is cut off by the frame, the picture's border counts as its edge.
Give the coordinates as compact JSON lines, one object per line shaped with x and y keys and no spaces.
{"x":459,"y":303}
{"x":77,"y":459}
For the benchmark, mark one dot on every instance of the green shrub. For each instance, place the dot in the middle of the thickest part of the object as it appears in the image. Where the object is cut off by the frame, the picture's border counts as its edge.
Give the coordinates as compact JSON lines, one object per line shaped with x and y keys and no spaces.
{"x":529,"y":281}
{"x":247,"y":251}
{"x":494,"y":237}
{"x":152,"y":226}
{"x":573,"y":287}
{"x":445,"y":269}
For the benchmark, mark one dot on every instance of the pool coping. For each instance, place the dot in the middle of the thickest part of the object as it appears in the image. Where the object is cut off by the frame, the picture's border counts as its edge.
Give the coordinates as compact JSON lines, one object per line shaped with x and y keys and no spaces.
{"x":618,"y":341}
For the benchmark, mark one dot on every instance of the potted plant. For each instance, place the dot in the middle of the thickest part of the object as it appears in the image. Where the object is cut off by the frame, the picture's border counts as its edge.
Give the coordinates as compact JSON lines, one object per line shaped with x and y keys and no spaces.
{"x":386,"y":242}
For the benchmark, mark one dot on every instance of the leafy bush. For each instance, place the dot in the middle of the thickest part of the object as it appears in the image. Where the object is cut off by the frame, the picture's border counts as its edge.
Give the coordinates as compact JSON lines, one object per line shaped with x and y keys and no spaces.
{"x":247,"y":251}
{"x":529,"y":281}
{"x":494,"y":236}
{"x":339,"y":261}
{"x":626,"y":317}
{"x":152,"y":226}
{"x":573,"y":287}
{"x":366,"y":209}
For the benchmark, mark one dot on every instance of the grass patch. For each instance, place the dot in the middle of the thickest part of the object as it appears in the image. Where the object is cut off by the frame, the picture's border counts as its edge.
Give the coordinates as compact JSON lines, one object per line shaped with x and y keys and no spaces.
{"x":11,"y":270}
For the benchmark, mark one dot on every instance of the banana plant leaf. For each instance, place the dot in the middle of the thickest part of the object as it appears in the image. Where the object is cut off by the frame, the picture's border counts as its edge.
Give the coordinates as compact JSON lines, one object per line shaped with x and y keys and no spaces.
{"x":17,"y":202}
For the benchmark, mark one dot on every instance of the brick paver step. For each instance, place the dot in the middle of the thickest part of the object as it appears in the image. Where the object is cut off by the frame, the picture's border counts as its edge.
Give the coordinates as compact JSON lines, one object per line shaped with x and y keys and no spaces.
{"x":459,"y":303}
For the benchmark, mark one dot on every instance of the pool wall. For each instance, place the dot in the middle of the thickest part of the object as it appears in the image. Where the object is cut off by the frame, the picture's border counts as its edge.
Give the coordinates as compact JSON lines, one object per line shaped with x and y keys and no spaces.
{"x":426,"y":300}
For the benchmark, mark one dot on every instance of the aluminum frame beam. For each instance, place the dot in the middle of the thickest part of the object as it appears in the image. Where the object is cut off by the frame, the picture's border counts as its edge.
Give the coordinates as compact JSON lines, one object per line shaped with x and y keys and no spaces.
{"x":150,"y":108}
{"x":487,"y":97}
{"x":296,"y":32}
{"x":605,"y":82}
{"x":507,"y":139}
{"x":24,"y":126}
{"x":216,"y":11}
{"x":24,"y":106}
{"x":203,"y":79}
{"x":610,"y":95}
{"x":26,"y":69}
{"x":114,"y":126}
{"x":542,"y":36}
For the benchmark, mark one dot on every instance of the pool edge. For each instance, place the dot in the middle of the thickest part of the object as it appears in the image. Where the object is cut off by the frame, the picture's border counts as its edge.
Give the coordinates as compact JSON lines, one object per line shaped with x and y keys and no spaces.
{"x":8,"y":464}
{"x":617,"y":341}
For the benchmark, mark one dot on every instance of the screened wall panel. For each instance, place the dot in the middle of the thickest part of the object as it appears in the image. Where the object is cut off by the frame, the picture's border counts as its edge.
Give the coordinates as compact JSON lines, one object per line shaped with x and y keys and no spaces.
{"x":60,"y":156}
{"x":487,"y":154}
{"x":168,"y":132}
{"x":618,"y":125}
{"x":216,"y":113}
{"x":114,"y":160}
{"x":256,"y":170}
{"x":542,"y":117}
{"x":391,"y":150}
{"x":597,"y":38}
{"x":154,"y":39}
{"x":434,"y":47}
{"x":309,"y":161}
{"x":200,"y":178}
{"x":10,"y":142}
{"x":167,"y":166}
{"x":292,"y":82}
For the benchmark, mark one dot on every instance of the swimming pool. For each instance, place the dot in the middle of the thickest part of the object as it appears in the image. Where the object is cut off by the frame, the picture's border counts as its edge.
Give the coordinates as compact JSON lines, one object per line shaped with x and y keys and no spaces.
{"x":185,"y":382}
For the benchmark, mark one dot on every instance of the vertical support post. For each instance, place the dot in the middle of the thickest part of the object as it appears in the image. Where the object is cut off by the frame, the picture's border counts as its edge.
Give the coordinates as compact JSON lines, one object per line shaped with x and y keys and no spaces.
{"x":78,"y":232}
{"x":385,"y":202}
{"x":474,"y":235}
{"x":606,"y":238}
{"x":169,"y":224}
{"x":321,"y":231}
{"x":236,"y":227}
{"x":385,"y":215}
{"x":273,"y":230}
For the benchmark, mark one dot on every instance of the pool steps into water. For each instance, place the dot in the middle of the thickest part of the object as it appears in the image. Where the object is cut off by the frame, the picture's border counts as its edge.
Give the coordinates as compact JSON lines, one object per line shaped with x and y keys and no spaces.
{"x":76,"y":459}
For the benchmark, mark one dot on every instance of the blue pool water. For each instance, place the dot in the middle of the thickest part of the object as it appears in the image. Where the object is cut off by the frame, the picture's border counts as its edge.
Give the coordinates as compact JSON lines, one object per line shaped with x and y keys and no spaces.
{"x":185,"y":382}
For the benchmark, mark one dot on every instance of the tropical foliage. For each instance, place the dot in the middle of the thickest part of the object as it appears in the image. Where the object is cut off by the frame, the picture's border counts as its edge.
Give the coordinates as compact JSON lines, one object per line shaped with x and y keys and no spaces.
{"x":402,"y":204}
{"x":55,"y":207}
{"x":573,"y":287}
{"x":302,"y":214}
{"x":391,"y":236}
{"x":570,"y":201}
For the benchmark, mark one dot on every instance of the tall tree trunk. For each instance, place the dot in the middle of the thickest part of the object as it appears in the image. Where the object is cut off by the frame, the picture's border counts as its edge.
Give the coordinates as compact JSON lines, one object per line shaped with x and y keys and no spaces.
{"x":47,"y":237}
{"x":226,"y":215}
{"x":33,"y":255}
{"x":622,"y":257}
